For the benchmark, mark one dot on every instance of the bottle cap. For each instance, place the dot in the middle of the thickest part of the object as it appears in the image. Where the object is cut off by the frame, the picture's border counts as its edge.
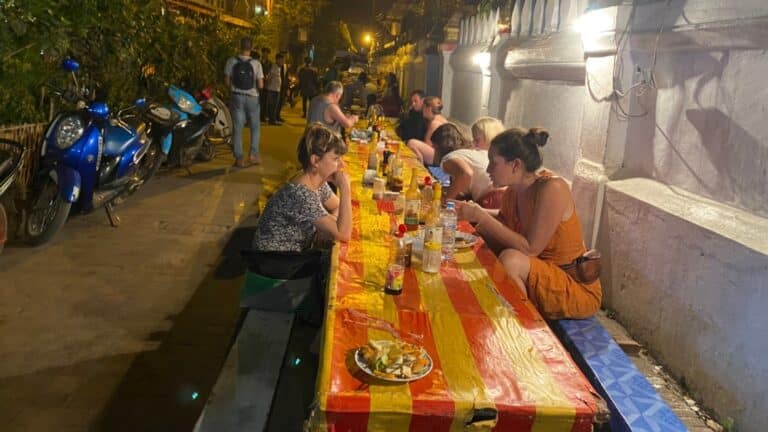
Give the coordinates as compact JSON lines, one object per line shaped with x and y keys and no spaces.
{"x":401,"y":229}
{"x":450,"y":205}
{"x":427,"y":181}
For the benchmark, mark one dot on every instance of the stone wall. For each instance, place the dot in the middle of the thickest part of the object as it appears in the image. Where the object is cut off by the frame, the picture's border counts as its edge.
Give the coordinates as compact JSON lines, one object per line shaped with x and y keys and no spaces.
{"x":656,"y":114}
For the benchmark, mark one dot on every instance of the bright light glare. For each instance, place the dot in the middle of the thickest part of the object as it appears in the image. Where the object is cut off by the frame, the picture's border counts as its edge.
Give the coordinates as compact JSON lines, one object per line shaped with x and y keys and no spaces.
{"x":367,"y":38}
{"x":258,"y":9}
{"x":482,"y":59}
{"x":593,"y":22}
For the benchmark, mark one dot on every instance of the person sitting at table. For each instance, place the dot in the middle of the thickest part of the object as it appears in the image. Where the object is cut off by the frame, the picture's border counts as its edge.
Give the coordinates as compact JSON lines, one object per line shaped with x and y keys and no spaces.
{"x":412,"y":124}
{"x":425,"y":150}
{"x":537,"y":229}
{"x":466,"y":166}
{"x":305,"y":205}
{"x":324,"y":109}
{"x":484,"y":130}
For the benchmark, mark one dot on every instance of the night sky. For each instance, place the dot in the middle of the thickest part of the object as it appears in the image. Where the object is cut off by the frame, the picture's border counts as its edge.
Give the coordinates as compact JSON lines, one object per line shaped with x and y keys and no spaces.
{"x":359,"y":11}
{"x":357,"y":14}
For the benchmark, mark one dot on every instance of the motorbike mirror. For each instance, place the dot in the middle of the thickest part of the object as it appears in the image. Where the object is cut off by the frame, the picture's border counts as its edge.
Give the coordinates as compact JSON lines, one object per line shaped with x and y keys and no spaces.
{"x":70,"y":65}
{"x":99,"y":110}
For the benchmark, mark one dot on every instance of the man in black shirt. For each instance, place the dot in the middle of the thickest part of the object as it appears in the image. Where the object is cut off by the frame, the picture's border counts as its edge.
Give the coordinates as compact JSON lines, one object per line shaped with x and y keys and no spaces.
{"x":413,"y":124}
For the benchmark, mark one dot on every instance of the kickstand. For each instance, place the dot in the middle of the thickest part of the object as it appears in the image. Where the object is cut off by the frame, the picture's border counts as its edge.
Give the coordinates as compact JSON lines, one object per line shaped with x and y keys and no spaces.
{"x":114,"y":219}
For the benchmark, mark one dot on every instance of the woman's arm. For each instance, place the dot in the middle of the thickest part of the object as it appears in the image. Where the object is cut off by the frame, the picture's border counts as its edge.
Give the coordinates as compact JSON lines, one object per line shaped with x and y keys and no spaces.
{"x":461,"y":178}
{"x":551,"y":205}
{"x":339,"y":227}
{"x":332,"y":204}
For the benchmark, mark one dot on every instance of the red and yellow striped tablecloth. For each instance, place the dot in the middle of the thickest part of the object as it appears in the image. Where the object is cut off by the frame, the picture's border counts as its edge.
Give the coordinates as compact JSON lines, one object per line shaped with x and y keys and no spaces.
{"x":490,"y":347}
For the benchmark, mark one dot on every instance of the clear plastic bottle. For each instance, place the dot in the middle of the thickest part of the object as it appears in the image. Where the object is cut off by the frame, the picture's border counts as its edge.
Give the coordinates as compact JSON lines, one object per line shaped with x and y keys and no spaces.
{"x":426,"y":200}
{"x":449,"y":221}
{"x":433,"y":239}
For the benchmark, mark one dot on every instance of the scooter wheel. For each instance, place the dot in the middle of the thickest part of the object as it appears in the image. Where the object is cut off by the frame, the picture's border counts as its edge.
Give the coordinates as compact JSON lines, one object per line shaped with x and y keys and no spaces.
{"x":47,"y":216}
{"x":207,"y":151}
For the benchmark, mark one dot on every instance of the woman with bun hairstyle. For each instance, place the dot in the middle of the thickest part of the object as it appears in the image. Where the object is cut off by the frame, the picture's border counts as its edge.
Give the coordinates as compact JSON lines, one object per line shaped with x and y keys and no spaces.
{"x":536,"y":230}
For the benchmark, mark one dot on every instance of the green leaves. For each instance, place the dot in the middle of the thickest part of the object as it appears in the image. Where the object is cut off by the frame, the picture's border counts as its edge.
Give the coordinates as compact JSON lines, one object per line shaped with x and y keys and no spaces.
{"x":112,"y":40}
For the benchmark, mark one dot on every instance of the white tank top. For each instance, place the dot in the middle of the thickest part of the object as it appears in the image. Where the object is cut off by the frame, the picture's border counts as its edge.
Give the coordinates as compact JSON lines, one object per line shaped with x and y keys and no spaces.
{"x":477,"y":159}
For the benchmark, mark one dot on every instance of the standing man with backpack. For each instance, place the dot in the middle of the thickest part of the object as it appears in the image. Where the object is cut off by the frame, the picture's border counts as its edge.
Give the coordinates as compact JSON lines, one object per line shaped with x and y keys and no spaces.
{"x":244,"y":77}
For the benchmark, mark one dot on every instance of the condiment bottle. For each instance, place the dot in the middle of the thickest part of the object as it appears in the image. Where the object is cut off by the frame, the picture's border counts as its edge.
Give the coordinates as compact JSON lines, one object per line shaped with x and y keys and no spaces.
{"x":412,"y":203}
{"x":396,"y":268}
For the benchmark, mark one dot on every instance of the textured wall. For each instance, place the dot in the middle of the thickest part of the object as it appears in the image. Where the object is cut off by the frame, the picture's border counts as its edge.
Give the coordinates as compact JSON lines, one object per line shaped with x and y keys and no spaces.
{"x":692,"y":284}
{"x":684,"y":222}
{"x":705,"y":130}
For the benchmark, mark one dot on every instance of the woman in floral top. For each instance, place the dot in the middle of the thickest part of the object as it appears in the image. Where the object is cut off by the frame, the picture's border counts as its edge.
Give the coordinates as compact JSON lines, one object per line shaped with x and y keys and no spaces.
{"x":306,"y":205}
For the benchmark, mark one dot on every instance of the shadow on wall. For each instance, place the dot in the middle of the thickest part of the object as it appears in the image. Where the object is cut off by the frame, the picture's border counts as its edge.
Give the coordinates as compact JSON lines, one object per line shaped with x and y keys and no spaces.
{"x":737,"y":152}
{"x":726,"y":162}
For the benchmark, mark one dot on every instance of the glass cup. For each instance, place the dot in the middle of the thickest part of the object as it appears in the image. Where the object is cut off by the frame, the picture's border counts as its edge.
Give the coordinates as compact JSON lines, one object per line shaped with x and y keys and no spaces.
{"x":379,"y":187}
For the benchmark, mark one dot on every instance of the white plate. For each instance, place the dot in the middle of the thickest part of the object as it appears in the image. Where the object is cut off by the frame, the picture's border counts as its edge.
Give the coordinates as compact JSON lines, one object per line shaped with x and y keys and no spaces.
{"x":464,"y":240}
{"x":360,"y":361}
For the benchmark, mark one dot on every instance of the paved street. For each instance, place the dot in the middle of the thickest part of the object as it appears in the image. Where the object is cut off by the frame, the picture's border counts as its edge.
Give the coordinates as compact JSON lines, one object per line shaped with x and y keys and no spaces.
{"x":126,"y":328}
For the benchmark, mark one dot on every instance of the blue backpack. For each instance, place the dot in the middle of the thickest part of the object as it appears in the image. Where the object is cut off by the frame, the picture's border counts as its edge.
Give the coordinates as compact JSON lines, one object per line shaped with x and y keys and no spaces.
{"x":242,"y":75}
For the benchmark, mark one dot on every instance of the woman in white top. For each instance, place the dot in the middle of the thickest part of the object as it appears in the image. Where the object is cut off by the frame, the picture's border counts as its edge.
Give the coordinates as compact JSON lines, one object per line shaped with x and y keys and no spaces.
{"x":466,"y":166}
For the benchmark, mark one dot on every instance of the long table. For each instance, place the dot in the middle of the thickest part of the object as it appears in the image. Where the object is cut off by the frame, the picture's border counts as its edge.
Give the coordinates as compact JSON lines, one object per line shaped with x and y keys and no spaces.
{"x":492,"y":352}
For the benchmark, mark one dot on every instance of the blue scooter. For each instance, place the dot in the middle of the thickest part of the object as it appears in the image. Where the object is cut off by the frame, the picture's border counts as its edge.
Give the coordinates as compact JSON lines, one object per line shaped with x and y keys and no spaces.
{"x":88,"y":159}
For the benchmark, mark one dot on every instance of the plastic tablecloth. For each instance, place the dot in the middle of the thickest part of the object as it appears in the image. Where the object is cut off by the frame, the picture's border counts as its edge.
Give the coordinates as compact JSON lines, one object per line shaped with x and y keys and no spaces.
{"x":496,"y":363}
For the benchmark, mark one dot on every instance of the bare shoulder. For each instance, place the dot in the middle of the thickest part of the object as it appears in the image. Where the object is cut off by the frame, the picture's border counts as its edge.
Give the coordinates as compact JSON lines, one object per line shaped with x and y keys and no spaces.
{"x":555,"y":187}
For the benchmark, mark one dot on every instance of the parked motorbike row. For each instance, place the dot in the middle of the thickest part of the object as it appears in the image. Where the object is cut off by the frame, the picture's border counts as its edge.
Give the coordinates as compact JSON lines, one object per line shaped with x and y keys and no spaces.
{"x":90,"y":157}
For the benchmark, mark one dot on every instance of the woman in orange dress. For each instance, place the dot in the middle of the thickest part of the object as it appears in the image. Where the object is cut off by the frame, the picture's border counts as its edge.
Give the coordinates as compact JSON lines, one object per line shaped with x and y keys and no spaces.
{"x":536,"y":230}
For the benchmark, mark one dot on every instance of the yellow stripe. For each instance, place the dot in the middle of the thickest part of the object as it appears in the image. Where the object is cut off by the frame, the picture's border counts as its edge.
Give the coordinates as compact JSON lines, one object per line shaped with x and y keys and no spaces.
{"x":464,"y":381}
{"x":324,"y":377}
{"x":554,"y":412}
{"x":390,"y":404}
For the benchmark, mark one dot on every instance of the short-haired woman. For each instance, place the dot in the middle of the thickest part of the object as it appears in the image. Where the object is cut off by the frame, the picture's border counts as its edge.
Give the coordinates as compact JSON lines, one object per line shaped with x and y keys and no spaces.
{"x":466,"y":166}
{"x":306,"y":205}
{"x":484,"y":130}
{"x":537,"y":228}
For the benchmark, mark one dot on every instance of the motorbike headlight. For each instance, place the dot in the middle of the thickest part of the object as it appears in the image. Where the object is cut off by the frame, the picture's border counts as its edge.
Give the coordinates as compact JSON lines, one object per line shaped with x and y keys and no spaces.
{"x":70,"y":129}
{"x":185,"y":104}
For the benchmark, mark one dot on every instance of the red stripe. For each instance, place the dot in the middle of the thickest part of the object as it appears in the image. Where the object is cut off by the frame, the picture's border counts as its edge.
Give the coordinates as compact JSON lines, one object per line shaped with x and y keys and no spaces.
{"x":572,"y":382}
{"x":346,"y":411}
{"x":514,"y":411}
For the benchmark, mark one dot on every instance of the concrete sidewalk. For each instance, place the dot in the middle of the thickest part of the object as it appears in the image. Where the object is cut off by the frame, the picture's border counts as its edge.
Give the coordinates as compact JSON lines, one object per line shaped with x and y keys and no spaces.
{"x":126,"y":328}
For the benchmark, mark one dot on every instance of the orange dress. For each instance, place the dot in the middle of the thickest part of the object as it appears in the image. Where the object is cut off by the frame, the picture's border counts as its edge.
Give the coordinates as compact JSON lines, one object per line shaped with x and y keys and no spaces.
{"x":556,"y":294}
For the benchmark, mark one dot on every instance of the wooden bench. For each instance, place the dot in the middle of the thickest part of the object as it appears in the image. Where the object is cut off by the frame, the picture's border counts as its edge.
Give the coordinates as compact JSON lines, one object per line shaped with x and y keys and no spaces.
{"x":633,"y":402}
{"x":242,"y":397}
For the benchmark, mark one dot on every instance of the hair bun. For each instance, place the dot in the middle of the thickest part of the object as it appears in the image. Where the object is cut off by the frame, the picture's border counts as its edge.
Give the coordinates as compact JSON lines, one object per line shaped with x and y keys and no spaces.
{"x":538,"y":136}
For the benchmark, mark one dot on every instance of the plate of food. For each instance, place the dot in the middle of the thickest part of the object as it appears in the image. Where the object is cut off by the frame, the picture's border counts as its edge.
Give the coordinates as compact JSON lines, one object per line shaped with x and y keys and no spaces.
{"x":464,"y":240}
{"x":395,"y":361}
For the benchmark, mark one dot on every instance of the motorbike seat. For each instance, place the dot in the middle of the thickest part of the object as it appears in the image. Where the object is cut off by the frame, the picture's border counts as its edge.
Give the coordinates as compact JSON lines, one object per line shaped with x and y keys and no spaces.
{"x":117,"y":140}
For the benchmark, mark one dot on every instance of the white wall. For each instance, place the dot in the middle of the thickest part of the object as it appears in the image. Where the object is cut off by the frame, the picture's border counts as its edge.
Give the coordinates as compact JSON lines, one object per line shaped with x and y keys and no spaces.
{"x":684,"y":161}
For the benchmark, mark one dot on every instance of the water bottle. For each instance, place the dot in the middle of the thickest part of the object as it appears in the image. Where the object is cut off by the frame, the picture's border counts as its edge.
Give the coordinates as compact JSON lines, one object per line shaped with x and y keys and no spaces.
{"x":448,"y":219}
